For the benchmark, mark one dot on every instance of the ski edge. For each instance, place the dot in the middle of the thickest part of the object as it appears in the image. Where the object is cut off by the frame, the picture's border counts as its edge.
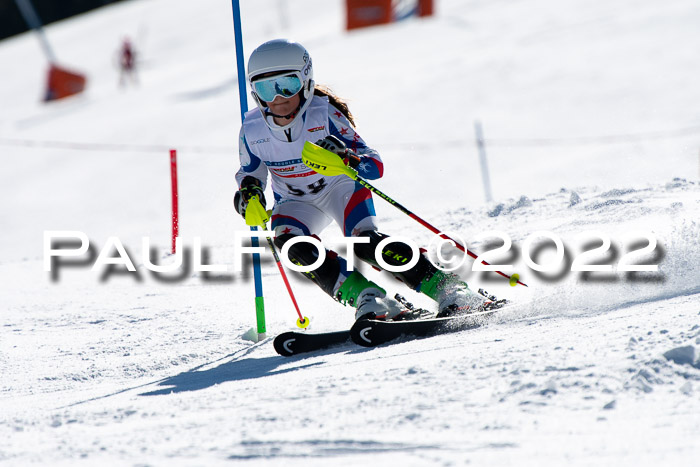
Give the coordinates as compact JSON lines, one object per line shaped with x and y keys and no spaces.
{"x":416,"y":328}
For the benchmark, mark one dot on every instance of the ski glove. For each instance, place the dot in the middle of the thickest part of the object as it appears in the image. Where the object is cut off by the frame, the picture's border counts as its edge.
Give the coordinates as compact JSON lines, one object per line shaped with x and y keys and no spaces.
{"x":335,"y":145}
{"x":250,"y":187}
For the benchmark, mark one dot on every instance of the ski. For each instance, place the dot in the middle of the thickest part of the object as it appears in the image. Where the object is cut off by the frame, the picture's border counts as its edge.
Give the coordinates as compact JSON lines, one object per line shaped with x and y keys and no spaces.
{"x":292,"y":343}
{"x":370,"y":333}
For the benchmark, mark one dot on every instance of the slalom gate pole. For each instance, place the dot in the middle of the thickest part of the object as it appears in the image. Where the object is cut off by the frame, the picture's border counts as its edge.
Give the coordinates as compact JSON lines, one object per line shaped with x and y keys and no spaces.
{"x":256,"y":214}
{"x":30,"y":16}
{"x":328,"y":163}
{"x":483,"y":161}
{"x":173,"y":183}
{"x":243,"y":97}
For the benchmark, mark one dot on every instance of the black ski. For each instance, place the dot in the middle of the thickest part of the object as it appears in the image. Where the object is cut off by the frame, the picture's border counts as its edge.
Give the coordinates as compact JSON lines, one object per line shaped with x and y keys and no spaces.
{"x":293,"y":343}
{"x":369,"y":333}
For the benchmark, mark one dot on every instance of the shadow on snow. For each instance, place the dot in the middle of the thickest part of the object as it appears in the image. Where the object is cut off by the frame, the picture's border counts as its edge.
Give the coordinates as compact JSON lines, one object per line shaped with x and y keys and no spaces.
{"x":236,"y":370}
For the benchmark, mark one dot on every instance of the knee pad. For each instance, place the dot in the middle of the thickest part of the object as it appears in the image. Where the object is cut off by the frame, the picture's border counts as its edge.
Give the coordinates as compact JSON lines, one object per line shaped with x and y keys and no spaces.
{"x":305,"y":254}
{"x":395,"y":254}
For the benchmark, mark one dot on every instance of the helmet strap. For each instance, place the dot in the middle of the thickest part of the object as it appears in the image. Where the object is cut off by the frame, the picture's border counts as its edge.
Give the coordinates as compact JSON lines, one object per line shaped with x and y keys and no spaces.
{"x":290,"y":115}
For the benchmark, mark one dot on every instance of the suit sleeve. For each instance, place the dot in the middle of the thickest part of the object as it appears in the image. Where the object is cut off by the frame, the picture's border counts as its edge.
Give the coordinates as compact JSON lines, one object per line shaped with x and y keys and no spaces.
{"x":371,"y":166}
{"x":251,"y":165}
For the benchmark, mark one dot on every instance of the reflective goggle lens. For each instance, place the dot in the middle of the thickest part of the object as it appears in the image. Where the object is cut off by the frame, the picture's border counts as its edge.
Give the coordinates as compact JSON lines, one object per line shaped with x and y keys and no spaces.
{"x":285,"y":86}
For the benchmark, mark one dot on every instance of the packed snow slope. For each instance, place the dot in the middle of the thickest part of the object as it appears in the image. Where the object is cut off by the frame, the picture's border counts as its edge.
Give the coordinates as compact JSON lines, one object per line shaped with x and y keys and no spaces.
{"x":591,"y":135}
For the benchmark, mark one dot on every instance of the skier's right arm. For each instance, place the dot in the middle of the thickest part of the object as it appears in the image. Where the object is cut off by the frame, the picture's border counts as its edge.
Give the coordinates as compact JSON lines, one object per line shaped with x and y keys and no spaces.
{"x":251,"y":177}
{"x":251,"y":165}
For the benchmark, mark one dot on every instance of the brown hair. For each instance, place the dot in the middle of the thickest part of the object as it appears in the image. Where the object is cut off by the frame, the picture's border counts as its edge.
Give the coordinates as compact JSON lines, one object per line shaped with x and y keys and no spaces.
{"x":337,"y":102}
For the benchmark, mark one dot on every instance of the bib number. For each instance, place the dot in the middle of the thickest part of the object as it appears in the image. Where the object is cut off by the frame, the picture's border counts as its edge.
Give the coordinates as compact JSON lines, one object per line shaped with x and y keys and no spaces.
{"x":313,"y":188}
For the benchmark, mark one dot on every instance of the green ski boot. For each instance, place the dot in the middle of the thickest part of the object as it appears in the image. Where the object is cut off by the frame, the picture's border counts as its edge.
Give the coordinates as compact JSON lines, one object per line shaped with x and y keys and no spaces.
{"x":365,"y":296}
{"x":451,"y":293}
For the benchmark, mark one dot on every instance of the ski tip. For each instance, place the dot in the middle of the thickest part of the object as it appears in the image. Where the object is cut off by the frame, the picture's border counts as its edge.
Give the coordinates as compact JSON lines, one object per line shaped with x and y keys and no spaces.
{"x":361,"y":333}
{"x":284,"y":344}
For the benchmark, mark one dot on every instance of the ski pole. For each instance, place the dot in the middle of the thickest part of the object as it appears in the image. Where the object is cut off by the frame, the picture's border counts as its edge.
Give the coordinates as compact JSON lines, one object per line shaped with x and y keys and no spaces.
{"x":256,"y":215}
{"x":328,"y":163}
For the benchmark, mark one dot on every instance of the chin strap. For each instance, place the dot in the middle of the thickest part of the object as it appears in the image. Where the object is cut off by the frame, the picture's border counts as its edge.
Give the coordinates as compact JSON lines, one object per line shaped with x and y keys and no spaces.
{"x":291,"y":115}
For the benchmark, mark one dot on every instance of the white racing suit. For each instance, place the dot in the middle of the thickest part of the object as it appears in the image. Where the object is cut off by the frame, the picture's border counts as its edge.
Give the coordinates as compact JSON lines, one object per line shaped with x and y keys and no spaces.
{"x":306,"y":202}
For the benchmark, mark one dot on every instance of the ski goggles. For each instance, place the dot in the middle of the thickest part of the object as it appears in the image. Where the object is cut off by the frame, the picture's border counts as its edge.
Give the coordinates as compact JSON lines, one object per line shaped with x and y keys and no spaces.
{"x":282,"y":85}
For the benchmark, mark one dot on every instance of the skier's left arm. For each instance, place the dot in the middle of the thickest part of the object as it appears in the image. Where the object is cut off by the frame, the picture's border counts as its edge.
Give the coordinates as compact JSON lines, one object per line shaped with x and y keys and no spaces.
{"x":367,"y":162}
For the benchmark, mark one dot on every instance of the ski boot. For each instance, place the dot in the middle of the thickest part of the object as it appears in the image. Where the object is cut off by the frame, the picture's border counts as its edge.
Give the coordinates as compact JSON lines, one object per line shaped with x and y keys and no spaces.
{"x":367,"y":298}
{"x":452,"y":294}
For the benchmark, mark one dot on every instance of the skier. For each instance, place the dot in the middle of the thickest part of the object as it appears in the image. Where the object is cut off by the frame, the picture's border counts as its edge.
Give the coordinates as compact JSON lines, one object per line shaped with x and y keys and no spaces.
{"x":292,"y":109}
{"x":127,"y":63}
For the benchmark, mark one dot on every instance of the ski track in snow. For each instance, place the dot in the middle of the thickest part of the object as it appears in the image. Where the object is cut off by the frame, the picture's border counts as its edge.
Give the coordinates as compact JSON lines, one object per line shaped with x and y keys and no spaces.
{"x":584,"y":368}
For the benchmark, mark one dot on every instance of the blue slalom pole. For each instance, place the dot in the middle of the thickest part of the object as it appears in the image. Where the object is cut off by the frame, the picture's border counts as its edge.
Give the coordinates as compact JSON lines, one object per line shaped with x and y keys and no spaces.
{"x":243,"y":96}
{"x":32,"y":19}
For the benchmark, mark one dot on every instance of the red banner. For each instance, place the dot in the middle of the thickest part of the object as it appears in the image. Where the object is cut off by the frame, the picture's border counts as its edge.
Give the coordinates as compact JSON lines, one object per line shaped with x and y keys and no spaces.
{"x":63,"y":83}
{"x":363,"y":13}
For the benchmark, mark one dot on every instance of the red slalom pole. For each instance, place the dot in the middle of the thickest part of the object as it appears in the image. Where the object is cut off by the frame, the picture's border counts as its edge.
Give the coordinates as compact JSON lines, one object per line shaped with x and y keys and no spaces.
{"x":173,"y":180}
{"x":303,"y":321}
{"x":256,"y":214}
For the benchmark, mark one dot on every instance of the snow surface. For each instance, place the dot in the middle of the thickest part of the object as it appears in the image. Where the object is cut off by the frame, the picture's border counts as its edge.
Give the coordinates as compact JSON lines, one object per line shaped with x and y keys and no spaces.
{"x":589,"y":114}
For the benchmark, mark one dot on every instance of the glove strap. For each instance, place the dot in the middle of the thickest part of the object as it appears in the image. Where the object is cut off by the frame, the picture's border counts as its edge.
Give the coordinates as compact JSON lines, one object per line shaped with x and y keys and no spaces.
{"x":351,"y":159}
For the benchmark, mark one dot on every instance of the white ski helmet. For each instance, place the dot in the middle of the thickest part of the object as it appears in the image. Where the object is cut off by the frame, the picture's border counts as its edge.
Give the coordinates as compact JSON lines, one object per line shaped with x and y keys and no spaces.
{"x":282,"y":55}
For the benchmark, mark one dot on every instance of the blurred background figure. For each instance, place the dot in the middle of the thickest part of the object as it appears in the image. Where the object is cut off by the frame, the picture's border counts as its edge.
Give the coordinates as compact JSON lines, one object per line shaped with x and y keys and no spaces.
{"x":127,"y":63}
